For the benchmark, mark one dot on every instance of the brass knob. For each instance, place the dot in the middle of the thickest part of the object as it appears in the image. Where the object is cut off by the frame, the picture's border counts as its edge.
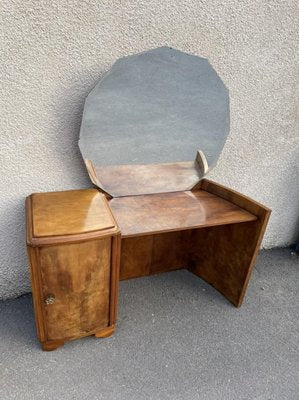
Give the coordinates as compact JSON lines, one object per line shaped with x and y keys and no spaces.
{"x":50,"y":299}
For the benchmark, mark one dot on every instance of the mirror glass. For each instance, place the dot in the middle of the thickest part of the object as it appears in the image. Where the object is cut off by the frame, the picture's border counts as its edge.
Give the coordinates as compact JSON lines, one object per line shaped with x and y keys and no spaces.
{"x":160,"y":106}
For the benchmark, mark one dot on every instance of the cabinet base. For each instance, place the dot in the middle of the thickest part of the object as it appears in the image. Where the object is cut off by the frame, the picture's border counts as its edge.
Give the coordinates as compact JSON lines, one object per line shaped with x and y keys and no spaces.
{"x":52,"y":345}
{"x":106,"y":332}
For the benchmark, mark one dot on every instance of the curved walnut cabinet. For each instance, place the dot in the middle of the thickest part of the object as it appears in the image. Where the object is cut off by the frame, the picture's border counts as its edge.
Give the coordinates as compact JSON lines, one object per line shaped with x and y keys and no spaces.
{"x":73,"y":248}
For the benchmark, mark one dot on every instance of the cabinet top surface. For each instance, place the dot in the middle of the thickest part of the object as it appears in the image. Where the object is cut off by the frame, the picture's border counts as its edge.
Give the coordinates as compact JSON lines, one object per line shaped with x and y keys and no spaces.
{"x":137,"y":215}
{"x":69,"y":213}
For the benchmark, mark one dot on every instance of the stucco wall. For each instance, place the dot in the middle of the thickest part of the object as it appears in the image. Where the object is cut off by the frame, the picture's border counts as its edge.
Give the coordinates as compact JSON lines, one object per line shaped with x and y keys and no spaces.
{"x":55,"y":50}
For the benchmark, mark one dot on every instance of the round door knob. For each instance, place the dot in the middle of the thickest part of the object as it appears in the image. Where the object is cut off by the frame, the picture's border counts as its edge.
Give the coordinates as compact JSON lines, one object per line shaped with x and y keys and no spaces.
{"x":50,"y":299}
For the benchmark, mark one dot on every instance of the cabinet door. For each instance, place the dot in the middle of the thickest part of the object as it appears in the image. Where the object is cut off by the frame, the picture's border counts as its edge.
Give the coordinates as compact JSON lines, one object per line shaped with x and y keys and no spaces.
{"x":76,"y":287}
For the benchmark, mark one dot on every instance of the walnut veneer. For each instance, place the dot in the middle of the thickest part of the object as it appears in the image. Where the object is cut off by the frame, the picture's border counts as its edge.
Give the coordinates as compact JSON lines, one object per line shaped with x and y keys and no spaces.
{"x":73,"y":248}
{"x":164,"y":212}
{"x":212,"y":231}
{"x":80,"y":241}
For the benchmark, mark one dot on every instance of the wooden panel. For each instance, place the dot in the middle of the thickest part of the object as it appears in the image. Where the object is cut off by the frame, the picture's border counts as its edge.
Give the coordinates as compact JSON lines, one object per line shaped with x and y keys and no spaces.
{"x":234,"y":197}
{"x":221,"y":256}
{"x":77,"y":277}
{"x":128,"y":180}
{"x":224,"y":256}
{"x":136,"y":256}
{"x":170,"y":251}
{"x":147,"y":214}
{"x":115,"y":264}
{"x":70,"y":212}
{"x":152,"y":254}
{"x":244,"y":243}
{"x":33,"y":256}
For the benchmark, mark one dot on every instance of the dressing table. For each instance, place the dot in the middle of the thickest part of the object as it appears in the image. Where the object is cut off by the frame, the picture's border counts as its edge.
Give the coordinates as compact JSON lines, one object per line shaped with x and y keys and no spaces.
{"x":152,"y":128}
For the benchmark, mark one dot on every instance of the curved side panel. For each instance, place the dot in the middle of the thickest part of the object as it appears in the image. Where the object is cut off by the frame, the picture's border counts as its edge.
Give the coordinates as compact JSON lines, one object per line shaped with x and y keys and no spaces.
{"x":224,"y":256}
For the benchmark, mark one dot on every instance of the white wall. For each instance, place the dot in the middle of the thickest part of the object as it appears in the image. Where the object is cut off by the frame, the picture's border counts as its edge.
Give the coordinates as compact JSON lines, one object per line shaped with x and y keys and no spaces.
{"x":54,"y":52}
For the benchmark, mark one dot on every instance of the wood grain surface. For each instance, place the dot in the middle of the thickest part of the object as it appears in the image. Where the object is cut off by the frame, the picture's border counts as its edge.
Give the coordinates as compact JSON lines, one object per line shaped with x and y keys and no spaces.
{"x":69,"y":212}
{"x":151,"y":254}
{"x":212,"y":231}
{"x":74,"y":276}
{"x":129,"y":180}
{"x":138,"y":215}
{"x":77,"y":277}
{"x":224,"y":256}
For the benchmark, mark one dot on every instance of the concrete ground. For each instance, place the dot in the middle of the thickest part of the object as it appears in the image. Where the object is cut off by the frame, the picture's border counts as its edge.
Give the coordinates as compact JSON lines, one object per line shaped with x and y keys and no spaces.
{"x":177,"y":338}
